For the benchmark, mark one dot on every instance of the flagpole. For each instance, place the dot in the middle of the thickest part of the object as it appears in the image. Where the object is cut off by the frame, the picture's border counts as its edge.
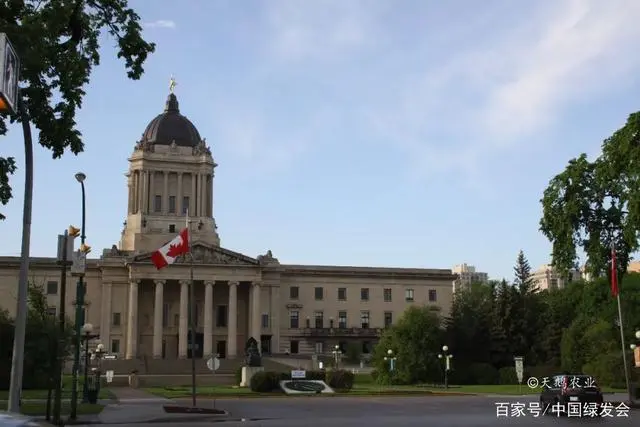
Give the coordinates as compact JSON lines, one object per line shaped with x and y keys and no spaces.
{"x":192,"y":325}
{"x":614,"y":278}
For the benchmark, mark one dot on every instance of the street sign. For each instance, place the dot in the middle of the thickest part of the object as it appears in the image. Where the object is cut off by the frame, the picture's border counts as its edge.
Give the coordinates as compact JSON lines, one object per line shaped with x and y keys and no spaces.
{"x":79,"y":263}
{"x":298,"y":374}
{"x":9,"y":75}
{"x":213,"y":364}
{"x":109,"y":376}
{"x":61,"y":248}
{"x":519,"y":368}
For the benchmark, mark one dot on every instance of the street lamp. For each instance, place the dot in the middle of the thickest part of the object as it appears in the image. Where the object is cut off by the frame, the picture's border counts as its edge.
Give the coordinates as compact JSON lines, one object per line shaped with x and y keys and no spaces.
{"x":636,"y":350}
{"x":391,"y":359}
{"x":87,"y":330}
{"x":336,"y":355}
{"x":447,"y":364}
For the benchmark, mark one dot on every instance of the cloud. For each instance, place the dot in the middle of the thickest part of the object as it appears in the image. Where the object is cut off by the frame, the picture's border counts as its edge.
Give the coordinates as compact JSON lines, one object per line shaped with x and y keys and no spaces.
{"x":161,"y":23}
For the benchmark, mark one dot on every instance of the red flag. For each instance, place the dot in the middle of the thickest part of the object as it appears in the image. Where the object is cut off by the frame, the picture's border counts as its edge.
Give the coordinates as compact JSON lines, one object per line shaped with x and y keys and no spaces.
{"x":614,"y":272}
{"x":167,"y":254}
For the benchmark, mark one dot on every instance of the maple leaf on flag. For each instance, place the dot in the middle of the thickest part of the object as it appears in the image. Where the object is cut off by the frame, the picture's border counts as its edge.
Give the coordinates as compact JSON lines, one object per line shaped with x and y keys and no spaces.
{"x":175,"y":250}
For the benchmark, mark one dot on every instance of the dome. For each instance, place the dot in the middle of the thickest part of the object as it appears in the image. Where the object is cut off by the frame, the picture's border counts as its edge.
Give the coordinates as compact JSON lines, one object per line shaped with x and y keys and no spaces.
{"x":171,"y":126}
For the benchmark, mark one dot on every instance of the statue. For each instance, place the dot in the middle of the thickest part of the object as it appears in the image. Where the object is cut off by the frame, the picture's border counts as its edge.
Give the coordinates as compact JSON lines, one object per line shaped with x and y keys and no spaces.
{"x":252,"y":354}
{"x":172,"y":84}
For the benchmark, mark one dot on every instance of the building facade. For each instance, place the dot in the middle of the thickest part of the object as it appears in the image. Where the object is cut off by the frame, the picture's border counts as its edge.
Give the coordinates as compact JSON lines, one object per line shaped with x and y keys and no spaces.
{"x":140,"y":311}
{"x":546,"y":277}
{"x":466,"y":275}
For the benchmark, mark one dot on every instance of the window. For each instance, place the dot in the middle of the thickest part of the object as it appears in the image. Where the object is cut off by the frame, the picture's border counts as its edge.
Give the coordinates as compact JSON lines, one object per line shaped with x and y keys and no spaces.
{"x":172,"y":228}
{"x":364,"y":319}
{"x":265,"y":320}
{"x":294,"y":347}
{"x":165,"y":315}
{"x":366,"y":347}
{"x":51,"y":310}
{"x":387,"y":294}
{"x":294,"y":319}
{"x":157,"y":203}
{"x":408,"y":295}
{"x":172,"y":204}
{"x":319,"y":319}
{"x":319,"y":347}
{"x":185,"y":205}
{"x":294,"y":292}
{"x":364,"y":294}
{"x":115,"y":319}
{"x":342,"y":319}
{"x":433,"y":296}
{"x":319,"y":293}
{"x":115,"y":346}
{"x":221,"y":316}
{"x":52,"y":287}
{"x":342,"y":294}
{"x":388,"y":319}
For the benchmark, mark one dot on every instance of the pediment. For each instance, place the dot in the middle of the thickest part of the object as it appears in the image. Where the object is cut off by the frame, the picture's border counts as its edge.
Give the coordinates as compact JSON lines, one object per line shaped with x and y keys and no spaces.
{"x":208,"y":254}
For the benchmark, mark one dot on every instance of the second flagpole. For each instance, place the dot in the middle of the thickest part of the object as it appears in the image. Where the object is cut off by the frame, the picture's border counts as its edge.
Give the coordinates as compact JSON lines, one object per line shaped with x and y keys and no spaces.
{"x":192,"y":323}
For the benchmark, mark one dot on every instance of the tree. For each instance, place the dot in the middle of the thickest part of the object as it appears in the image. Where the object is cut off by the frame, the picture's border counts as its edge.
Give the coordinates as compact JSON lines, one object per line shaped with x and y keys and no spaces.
{"x":58,"y":44}
{"x":522,"y":271}
{"x":592,"y":205}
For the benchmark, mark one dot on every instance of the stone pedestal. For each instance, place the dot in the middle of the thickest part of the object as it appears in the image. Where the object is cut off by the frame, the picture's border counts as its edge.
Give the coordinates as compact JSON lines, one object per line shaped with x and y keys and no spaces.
{"x":248,"y":372}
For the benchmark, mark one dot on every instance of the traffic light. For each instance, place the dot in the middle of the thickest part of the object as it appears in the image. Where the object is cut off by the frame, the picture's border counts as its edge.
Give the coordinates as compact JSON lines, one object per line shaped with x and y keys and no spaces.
{"x":85,"y":249}
{"x":73,"y":231}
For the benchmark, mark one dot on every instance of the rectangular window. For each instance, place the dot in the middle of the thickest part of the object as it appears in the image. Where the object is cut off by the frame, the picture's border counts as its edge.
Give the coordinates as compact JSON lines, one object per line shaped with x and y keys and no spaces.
{"x":342,"y":319}
{"x":185,"y":205}
{"x":366,"y":347}
{"x":221,"y":316}
{"x":319,"y":293}
{"x":172,"y":204}
{"x":157,"y":203}
{"x":408,"y":295}
{"x":364,"y":319}
{"x":387,"y":294}
{"x":115,"y":319}
{"x":172,"y":228}
{"x":115,"y":346}
{"x":388,"y":319}
{"x":294,"y":292}
{"x":433,"y":296}
{"x":294,"y":319}
{"x":52,"y":287}
{"x":295,"y":347}
{"x":319,"y":319}
{"x":165,"y":315}
{"x":52,"y":311}
{"x":265,"y":320}
{"x":364,"y":294}
{"x":342,"y":294}
{"x":319,"y":347}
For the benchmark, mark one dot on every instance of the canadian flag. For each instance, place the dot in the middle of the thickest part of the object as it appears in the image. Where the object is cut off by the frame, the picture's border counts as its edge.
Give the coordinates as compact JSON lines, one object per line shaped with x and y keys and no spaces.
{"x":167,"y":254}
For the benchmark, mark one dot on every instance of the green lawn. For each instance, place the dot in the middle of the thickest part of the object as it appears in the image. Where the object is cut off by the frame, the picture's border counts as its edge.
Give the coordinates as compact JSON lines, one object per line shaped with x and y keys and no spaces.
{"x":38,"y":409}
{"x":66,"y":394}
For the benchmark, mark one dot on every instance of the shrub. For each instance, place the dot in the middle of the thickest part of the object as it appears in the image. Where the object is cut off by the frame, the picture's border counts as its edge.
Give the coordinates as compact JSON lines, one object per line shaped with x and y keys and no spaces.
{"x":374,"y":375}
{"x":316,"y":375}
{"x":265,"y":382}
{"x":508,"y":375}
{"x":340,"y":379}
{"x":483,"y":373}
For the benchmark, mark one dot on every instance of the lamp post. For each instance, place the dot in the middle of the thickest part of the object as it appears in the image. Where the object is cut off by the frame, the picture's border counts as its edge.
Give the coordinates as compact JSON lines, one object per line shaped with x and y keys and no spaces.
{"x":636,"y":350}
{"x":336,"y":356}
{"x":447,"y":364}
{"x":87,"y":336}
{"x":80,"y":293}
{"x":392,"y":361}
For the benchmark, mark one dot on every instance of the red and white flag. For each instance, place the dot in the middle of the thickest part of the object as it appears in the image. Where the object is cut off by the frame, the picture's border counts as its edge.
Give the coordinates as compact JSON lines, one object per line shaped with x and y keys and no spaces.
{"x":167,"y":254}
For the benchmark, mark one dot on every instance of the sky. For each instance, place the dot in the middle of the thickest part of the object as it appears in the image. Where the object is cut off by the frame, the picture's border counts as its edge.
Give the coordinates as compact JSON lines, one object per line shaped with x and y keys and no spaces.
{"x":362,"y":132}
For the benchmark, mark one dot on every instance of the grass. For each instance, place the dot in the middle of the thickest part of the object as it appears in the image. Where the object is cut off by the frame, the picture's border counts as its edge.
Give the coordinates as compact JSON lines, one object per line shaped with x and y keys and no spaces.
{"x":40,"y":408}
{"x":66,"y":394}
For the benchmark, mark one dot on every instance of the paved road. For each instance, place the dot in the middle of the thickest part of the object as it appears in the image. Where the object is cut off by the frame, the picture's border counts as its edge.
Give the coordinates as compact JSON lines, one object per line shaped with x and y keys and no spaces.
{"x":471,"y":411}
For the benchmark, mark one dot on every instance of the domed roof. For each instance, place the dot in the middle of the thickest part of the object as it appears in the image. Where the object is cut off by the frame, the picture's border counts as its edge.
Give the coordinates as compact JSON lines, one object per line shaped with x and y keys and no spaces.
{"x":171,"y":126}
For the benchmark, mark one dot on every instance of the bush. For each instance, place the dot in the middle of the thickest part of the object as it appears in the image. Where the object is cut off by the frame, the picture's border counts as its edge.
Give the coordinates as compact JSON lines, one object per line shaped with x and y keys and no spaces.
{"x":508,"y":375}
{"x":265,"y":382}
{"x":340,"y":379}
{"x":374,"y":375}
{"x":483,"y":374}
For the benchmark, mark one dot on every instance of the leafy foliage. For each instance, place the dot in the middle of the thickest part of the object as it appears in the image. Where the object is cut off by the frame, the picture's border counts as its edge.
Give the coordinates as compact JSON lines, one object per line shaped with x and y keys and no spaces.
{"x":58,"y":45}
{"x":340,"y":379}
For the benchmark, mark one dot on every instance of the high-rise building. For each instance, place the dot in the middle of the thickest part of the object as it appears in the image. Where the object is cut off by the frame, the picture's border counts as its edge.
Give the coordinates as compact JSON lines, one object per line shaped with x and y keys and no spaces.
{"x":467,"y":275}
{"x":546,"y":277}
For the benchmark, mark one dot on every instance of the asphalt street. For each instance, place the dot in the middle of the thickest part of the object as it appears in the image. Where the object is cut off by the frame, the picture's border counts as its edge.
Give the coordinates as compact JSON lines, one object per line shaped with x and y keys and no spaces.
{"x":435,"y":411}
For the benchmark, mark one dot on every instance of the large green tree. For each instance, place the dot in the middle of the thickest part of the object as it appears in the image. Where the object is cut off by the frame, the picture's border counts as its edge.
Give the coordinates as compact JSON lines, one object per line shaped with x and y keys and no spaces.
{"x":593,"y":204}
{"x":58,"y":45}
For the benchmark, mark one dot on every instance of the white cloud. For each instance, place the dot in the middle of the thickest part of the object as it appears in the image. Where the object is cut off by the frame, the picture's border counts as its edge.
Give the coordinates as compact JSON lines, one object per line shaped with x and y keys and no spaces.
{"x":161,"y":23}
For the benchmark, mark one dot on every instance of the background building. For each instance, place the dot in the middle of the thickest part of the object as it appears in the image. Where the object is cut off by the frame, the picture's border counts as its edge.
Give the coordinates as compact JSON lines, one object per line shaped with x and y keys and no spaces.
{"x":467,"y":275}
{"x":546,"y":277}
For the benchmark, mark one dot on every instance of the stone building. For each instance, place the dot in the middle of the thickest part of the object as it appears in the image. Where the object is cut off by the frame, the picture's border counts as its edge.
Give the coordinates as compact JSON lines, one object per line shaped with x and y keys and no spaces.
{"x":140,"y":312}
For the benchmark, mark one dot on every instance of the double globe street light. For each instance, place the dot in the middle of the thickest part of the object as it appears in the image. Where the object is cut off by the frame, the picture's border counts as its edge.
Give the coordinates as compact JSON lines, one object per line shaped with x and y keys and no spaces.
{"x":636,"y":349}
{"x":447,"y":364}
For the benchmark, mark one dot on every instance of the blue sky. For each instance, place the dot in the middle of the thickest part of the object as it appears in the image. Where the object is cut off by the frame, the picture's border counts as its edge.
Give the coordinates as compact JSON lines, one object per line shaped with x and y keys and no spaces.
{"x":380,"y":132}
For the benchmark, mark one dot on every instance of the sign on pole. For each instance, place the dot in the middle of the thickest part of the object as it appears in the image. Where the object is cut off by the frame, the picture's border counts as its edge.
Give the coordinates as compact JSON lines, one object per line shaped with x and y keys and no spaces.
{"x":9,"y":75}
{"x":213,"y":364}
{"x":79,"y":263}
{"x":298,"y":374}
{"x":519,"y":368}
{"x":61,"y":248}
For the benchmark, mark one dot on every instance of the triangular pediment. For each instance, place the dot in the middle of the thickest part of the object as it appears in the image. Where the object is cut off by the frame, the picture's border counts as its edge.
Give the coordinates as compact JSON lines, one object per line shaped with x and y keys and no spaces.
{"x":204,"y":253}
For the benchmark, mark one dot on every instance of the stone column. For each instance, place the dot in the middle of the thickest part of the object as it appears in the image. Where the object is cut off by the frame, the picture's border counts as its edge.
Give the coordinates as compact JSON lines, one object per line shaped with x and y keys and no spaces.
{"x":105,"y":327}
{"x":275,"y":319}
{"x":136,"y":191}
{"x":157,"y":320}
{"x":144,"y":201}
{"x":183,"y":327}
{"x":250,"y":313}
{"x":193,"y":199}
{"x":203,"y":193}
{"x":256,"y":318}
{"x":152,"y":191}
{"x":132,"y":321}
{"x":165,"y":194}
{"x":210,"y":195}
{"x":208,"y":319}
{"x":232,"y":324}
{"x":179,"y":195}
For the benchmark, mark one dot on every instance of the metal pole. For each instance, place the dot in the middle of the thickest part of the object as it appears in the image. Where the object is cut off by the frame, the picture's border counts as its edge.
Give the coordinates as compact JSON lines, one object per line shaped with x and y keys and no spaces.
{"x":17,"y":362}
{"x":85,"y":388}
{"x":62,"y":331}
{"x":624,"y":351}
{"x":193,"y":331}
{"x":79,"y":322}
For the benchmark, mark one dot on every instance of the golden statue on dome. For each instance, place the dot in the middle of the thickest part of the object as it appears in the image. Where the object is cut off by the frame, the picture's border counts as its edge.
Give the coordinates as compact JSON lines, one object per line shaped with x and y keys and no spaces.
{"x":172,"y":84}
